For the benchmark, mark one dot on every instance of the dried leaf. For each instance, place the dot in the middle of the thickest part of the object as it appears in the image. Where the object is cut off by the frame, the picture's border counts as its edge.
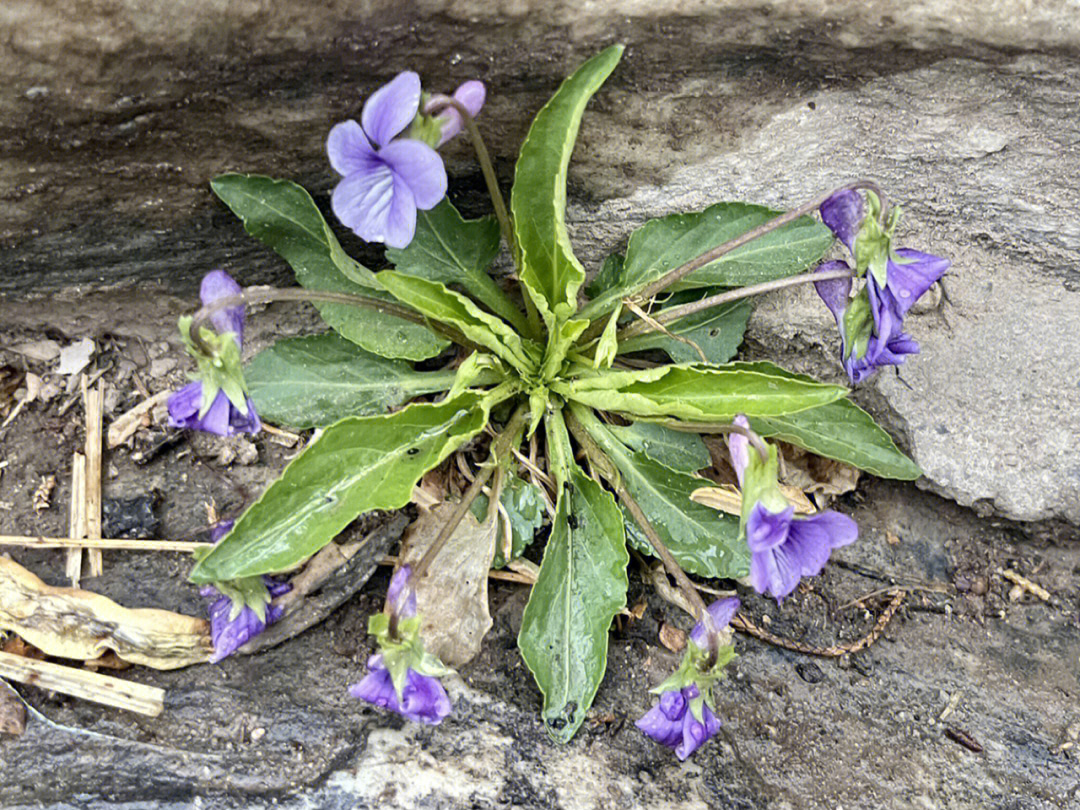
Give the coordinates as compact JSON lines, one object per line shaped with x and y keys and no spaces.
{"x":72,"y":623}
{"x":41,"y":351}
{"x":43,"y":493}
{"x":728,"y":499}
{"x":672,"y":637}
{"x":452,"y":598}
{"x":812,"y":473}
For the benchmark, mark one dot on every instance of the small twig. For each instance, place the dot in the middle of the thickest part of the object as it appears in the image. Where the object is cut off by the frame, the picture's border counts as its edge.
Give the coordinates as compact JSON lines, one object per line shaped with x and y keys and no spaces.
{"x":105,"y":689}
{"x":288,"y":436}
{"x":122,"y":544}
{"x":77,"y":521}
{"x":95,"y":404}
{"x":745,"y":625}
{"x":125,"y":425}
{"x":657,"y":326}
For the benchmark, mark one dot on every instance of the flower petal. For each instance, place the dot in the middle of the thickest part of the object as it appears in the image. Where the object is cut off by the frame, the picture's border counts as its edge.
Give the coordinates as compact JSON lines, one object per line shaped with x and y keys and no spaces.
{"x":349,"y":149}
{"x":834,"y":292}
{"x":184,"y":404}
{"x":230,"y":635}
{"x":218,"y":284}
{"x":420,"y":168}
{"x":244,"y":423}
{"x":765,"y":529}
{"x":377,"y":688}
{"x":664,"y":721}
{"x":695,"y":733}
{"x":362,"y":201}
{"x":423,"y":699}
{"x":722,"y":612}
{"x":843,"y":213}
{"x":774,"y":572}
{"x":907,"y":282}
{"x":391,"y":108}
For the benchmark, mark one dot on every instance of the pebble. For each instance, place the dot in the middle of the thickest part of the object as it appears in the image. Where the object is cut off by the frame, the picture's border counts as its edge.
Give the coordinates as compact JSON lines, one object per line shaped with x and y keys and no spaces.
{"x":810,"y":672}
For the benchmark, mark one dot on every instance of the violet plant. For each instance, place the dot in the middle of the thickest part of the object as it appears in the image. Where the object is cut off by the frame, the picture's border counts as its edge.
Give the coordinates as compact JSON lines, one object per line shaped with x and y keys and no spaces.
{"x":577,"y":370}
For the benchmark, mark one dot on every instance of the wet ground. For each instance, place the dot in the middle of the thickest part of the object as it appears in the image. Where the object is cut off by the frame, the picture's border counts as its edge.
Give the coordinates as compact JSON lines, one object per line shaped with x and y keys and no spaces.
{"x":861,"y":731}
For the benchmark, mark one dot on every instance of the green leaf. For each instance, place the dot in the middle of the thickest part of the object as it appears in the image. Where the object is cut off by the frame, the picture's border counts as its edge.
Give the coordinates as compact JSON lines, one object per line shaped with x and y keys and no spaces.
{"x":452,"y":250}
{"x":840,"y":430}
{"x":718,"y":332}
{"x":359,"y":464}
{"x":560,"y":340}
{"x":435,"y":301}
{"x":661,"y":245}
{"x":581,"y":586}
{"x":675,"y":449}
{"x":697,"y":393}
{"x":608,"y":346}
{"x":550,"y":273}
{"x":524,"y":505}
{"x":314,"y":381}
{"x":608,"y":277}
{"x":283,"y":216}
{"x":702,"y":540}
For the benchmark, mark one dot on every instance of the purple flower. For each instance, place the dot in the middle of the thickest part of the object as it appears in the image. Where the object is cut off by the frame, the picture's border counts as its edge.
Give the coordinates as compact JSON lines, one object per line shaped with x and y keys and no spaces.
{"x":223,"y":418}
{"x":471,"y":96}
{"x":385,"y":180}
{"x":843,"y":213}
{"x":423,"y":698}
{"x":230,"y":634}
{"x":671,"y":722}
{"x":785,"y":548}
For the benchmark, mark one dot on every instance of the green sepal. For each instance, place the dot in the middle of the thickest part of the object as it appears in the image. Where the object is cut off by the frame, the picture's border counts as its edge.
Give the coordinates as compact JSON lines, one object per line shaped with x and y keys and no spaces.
{"x":404,"y":652}
{"x":760,"y":485}
{"x":426,"y":128}
{"x":858,"y":325}
{"x":246,"y":592}
{"x":692,"y":670}
{"x":220,"y":370}
{"x":608,"y":346}
{"x":873,"y":243}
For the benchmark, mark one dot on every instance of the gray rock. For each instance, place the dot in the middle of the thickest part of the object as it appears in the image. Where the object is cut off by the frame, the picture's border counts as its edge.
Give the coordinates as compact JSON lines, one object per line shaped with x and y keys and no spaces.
{"x":984,"y":162}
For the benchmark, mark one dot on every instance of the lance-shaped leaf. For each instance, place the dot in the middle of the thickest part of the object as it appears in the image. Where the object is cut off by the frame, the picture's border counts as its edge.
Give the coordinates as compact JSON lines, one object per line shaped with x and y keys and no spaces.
{"x":840,"y":430}
{"x":550,"y":272}
{"x":661,"y":245}
{"x":697,"y":393}
{"x":675,"y":449}
{"x":452,"y":250}
{"x":435,"y":301}
{"x":314,"y":381}
{"x":283,"y":216}
{"x":702,"y":540}
{"x":359,"y":464}
{"x":581,"y":586}
{"x":717,"y":332}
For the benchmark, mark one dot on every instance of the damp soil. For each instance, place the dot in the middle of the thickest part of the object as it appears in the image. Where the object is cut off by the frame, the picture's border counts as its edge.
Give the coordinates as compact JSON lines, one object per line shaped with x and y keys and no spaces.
{"x":278,"y":727}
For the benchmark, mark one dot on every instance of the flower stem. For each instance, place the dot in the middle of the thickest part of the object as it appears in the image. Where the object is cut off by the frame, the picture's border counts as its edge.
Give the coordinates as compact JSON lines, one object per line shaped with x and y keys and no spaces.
{"x":709,"y":256}
{"x":497,"y":201}
{"x":607,"y":469}
{"x":672,"y":313}
{"x":499,"y":450}
{"x":263,"y":295}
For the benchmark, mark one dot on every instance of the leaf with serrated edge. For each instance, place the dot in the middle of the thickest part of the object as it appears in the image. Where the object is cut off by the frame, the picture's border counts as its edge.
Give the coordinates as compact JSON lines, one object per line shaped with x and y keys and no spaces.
{"x":359,"y":464}
{"x":283,"y":216}
{"x":678,"y":450}
{"x":452,"y":250}
{"x":435,"y":301}
{"x":840,"y":430}
{"x":314,"y":381}
{"x":661,"y":245}
{"x":696,"y":393}
{"x":550,"y":273}
{"x":702,"y":540}
{"x":581,"y":586}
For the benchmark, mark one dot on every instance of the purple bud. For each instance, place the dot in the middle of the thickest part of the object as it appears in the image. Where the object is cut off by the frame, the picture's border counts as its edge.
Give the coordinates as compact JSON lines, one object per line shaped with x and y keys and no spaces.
{"x":672,"y":723}
{"x":401,"y":596}
{"x":471,"y":96}
{"x":218,"y":284}
{"x":722,"y":612}
{"x":230,"y":634}
{"x":843,"y":213}
{"x":739,"y":447}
